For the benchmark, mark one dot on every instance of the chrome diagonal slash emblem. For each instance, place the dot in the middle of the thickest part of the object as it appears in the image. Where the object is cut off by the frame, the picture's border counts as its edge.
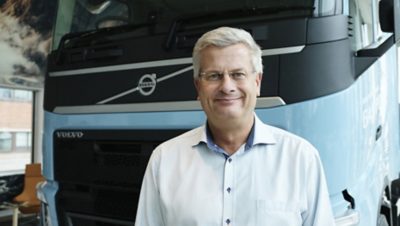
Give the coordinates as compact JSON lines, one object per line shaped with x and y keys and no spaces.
{"x":147,"y":84}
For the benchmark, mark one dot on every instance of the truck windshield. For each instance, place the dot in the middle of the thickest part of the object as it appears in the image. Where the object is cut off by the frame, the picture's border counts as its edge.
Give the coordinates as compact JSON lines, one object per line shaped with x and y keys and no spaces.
{"x":157,"y":16}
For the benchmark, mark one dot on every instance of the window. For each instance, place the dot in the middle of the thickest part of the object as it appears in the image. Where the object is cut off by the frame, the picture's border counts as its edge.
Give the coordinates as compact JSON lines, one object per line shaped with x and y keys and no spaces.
{"x":22,"y":95}
{"x":364,"y":24}
{"x":16,"y":113}
{"x":15,"y":95}
{"x":5,"y":93}
{"x":5,"y":141}
{"x":23,"y":141}
{"x":150,"y":17}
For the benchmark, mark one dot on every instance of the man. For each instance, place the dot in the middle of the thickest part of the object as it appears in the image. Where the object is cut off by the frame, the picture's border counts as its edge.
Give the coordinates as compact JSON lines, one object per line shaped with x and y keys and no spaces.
{"x":234,"y":170}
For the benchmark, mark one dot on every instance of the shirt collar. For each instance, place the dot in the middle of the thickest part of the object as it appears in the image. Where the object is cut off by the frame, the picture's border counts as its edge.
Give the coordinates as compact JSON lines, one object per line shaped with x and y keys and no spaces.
{"x":259,"y":134}
{"x":262,"y":133}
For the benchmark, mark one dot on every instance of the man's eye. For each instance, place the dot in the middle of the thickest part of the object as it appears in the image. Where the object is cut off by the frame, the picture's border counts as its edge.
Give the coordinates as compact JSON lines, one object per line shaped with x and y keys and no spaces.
{"x":238,"y":75}
{"x":213,"y":76}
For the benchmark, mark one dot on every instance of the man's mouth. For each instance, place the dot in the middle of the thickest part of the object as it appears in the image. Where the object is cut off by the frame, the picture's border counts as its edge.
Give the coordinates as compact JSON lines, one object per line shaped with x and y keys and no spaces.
{"x":227,"y":100}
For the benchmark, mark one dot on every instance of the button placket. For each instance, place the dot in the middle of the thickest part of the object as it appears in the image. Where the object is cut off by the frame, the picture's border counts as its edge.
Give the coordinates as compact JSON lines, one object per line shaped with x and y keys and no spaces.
{"x":228,"y":191}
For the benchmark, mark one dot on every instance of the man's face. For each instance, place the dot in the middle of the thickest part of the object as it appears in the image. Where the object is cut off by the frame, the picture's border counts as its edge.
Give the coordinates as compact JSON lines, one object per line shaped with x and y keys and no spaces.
{"x":232,"y":94}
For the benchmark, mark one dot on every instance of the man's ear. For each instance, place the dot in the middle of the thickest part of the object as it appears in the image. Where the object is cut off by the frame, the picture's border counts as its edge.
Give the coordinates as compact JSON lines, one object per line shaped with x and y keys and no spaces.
{"x":258,"y":83}
{"x":196,"y":85}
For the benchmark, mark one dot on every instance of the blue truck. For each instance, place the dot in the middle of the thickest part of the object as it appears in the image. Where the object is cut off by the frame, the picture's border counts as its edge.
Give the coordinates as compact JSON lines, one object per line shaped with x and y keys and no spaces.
{"x":119,"y":82}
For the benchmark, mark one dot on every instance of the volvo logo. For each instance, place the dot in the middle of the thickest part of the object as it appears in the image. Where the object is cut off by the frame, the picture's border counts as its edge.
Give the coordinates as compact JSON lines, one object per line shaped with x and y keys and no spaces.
{"x":69,"y":134}
{"x":147,"y":84}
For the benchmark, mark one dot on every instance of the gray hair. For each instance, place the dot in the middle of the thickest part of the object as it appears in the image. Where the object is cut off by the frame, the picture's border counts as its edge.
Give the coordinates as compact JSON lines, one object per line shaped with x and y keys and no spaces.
{"x":223,"y":37}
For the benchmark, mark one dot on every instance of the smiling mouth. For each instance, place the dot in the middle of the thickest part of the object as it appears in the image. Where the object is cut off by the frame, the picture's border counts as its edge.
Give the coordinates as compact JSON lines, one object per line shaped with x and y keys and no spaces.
{"x":227,"y":100}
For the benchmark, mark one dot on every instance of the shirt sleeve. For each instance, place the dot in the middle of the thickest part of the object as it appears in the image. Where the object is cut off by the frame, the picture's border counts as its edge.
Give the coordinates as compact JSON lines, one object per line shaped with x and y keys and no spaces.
{"x":149,"y":209}
{"x":319,"y":211}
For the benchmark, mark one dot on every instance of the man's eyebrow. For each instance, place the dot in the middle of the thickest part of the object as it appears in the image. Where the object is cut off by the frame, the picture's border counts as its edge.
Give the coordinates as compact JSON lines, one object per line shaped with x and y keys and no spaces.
{"x":215,"y":70}
{"x":239,"y":69}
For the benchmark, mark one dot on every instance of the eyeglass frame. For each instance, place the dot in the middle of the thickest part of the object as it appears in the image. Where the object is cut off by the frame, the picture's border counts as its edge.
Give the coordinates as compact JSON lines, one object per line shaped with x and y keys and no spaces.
{"x":217,"y":76}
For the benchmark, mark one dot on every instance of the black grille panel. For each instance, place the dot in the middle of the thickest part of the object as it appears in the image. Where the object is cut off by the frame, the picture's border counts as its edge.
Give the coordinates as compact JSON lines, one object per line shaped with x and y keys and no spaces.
{"x":100,"y":173}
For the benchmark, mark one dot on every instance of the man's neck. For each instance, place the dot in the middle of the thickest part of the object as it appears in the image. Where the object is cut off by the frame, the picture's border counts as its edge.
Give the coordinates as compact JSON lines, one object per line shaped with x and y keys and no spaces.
{"x":229,"y":135}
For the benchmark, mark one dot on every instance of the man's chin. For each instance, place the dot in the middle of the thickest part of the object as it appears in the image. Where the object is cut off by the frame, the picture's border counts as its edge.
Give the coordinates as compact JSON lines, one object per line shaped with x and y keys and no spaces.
{"x":229,"y":115}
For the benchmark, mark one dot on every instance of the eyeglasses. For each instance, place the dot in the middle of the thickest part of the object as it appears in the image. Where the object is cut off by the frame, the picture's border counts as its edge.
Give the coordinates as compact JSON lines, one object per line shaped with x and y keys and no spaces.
{"x":216,"y":76}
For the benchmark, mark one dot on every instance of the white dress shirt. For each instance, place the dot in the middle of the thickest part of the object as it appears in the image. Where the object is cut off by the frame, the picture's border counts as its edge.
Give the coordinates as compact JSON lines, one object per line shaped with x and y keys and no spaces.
{"x":277,"y":180}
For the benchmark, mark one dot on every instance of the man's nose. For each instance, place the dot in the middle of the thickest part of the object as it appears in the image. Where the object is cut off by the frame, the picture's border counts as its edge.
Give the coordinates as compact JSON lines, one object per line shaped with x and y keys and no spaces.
{"x":227,"y":84}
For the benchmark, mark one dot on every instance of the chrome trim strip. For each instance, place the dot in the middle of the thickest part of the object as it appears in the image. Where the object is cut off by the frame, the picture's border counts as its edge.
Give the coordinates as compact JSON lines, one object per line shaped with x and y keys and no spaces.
{"x":132,"y":90}
{"x":159,"y":63}
{"x":280,"y":51}
{"x":262,"y":102}
{"x":268,"y":102}
{"x":122,"y":67}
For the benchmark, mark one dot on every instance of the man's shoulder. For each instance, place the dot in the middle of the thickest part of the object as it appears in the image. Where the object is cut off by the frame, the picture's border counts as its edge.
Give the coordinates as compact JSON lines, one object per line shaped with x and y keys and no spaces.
{"x":282,"y":133}
{"x":286,"y":138}
{"x":276,"y":133}
{"x":178,"y":147}
{"x":190,"y":138}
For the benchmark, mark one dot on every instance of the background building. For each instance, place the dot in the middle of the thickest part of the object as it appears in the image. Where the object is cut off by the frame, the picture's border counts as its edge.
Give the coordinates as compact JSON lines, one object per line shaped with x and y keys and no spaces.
{"x":15,"y":129}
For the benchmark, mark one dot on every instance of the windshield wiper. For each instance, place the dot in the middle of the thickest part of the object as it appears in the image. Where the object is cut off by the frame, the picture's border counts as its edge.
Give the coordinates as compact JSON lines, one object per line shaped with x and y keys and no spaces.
{"x":76,"y":39}
{"x":221,"y":17}
{"x":92,"y":37}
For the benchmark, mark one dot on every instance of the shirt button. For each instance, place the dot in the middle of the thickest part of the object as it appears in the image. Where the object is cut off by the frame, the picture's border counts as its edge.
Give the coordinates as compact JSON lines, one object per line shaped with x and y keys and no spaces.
{"x":228,"y":221}
{"x":228,"y":190}
{"x":229,"y":160}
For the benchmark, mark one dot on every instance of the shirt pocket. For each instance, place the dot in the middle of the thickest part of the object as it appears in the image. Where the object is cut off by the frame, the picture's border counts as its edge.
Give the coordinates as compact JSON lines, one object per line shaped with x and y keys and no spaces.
{"x":276,"y":213}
